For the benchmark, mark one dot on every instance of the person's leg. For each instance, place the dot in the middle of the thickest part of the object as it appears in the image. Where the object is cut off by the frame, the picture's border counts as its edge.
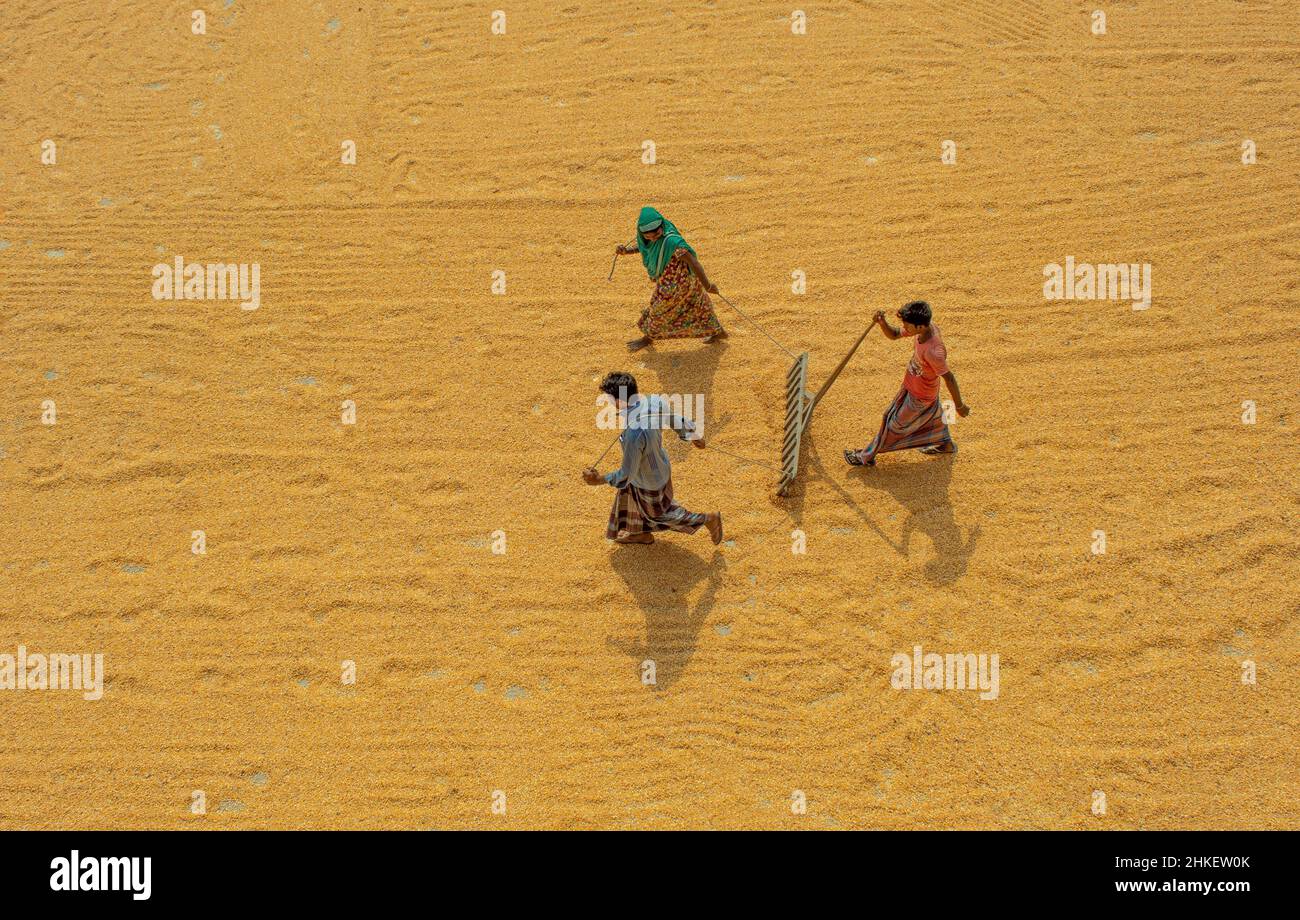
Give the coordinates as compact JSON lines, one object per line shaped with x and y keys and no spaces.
{"x":713,"y":522}
{"x":627,"y":520}
{"x":663,"y":513}
{"x":864,"y":457}
{"x":928,"y":432}
{"x":646,"y":324}
{"x":705,"y":316}
{"x":867,"y":455}
{"x":886,"y":438}
{"x":681,"y":309}
{"x":618,"y":515}
{"x":683,"y":521}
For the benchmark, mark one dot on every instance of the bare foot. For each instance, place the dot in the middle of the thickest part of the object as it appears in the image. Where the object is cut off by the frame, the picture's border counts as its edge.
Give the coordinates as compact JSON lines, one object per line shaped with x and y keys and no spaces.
{"x":717,"y":336}
{"x":714,"y":523}
{"x":636,"y":538}
{"x":638,"y":344}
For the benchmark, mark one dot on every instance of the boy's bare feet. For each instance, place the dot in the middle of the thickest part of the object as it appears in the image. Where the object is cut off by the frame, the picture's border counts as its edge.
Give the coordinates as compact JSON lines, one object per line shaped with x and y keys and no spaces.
{"x":638,"y":344}
{"x":635,"y":538}
{"x":714,"y":524}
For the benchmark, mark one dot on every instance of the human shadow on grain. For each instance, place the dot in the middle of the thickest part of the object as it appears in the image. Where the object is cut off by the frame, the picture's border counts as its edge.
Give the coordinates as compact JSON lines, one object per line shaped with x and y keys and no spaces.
{"x":688,"y":368}
{"x":920,"y":486}
{"x":661,"y":577}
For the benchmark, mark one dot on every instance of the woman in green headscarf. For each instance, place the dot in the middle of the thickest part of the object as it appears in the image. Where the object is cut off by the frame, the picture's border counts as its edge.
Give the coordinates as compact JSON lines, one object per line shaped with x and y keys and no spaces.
{"x":680,"y":307}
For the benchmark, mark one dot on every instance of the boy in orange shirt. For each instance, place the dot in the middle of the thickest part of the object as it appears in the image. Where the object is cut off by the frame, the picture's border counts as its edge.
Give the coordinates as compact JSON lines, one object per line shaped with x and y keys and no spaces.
{"x":915,"y":417}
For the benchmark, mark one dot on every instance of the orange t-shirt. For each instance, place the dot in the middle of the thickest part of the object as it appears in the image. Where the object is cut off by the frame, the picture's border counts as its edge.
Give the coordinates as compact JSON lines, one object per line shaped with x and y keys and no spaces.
{"x":929,"y":363}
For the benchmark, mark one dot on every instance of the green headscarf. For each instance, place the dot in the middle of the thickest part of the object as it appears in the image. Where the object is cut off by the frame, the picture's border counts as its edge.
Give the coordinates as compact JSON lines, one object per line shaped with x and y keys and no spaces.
{"x":655,"y":255}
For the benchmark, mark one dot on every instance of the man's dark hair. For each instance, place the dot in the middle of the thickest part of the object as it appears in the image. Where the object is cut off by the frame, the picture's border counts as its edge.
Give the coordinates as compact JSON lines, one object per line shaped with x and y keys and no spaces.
{"x":618,"y":385}
{"x":917,"y":312}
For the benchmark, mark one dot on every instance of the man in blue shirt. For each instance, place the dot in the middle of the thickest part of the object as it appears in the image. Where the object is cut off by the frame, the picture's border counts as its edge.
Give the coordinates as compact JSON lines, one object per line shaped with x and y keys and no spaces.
{"x":644,"y":500}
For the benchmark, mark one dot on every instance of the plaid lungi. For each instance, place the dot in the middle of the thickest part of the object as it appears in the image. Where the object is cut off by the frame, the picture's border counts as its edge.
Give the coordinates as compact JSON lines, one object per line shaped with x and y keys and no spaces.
{"x":908,"y":423}
{"x":647,"y":510}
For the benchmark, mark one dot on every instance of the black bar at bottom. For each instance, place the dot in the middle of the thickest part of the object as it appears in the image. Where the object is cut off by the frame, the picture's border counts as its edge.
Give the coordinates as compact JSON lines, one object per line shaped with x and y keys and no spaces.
{"x":332,"y":869}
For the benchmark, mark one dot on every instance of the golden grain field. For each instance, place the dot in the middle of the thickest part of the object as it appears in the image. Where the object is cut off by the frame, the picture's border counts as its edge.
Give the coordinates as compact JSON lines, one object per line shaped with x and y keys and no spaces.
{"x":519,"y":672}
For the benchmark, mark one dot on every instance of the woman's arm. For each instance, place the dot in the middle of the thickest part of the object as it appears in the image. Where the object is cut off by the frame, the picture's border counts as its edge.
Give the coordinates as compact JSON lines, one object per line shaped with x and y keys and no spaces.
{"x":699,"y":272}
{"x":955,"y":392}
{"x":626,"y":249}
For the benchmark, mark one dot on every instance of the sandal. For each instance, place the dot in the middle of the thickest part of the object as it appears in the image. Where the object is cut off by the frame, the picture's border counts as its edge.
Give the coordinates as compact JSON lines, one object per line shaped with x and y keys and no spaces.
{"x":628,"y":539}
{"x":936,"y":452}
{"x":715,"y":537}
{"x":852,"y":459}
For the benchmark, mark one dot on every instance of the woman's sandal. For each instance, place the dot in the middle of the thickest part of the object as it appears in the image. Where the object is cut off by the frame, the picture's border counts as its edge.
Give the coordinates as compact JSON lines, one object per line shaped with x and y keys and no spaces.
{"x":851,"y":457}
{"x":936,"y":452}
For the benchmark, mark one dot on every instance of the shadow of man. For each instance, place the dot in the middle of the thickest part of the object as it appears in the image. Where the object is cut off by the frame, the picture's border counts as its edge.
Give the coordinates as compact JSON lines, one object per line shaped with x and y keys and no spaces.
{"x":661,"y":577}
{"x":921,"y":488}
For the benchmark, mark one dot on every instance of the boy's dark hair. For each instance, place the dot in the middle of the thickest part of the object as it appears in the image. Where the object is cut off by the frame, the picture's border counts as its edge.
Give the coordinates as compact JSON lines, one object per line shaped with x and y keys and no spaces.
{"x":618,"y":385}
{"x":916,"y":312}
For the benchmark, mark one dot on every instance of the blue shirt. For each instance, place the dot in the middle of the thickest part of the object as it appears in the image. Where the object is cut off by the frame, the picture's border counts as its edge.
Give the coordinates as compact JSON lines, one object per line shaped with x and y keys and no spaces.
{"x":645,"y":462}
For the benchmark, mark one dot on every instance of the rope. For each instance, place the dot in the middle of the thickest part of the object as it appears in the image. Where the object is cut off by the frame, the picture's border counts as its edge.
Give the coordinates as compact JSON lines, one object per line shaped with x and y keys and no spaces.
{"x":745,"y":459}
{"x":607,"y":450}
{"x":757,"y":326}
{"x":709,"y":447}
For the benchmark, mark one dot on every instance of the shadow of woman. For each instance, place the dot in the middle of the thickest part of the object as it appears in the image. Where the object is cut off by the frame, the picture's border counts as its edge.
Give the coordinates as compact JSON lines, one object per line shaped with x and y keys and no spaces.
{"x":921,"y":488}
{"x":661,"y":578}
{"x":689,"y":368}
